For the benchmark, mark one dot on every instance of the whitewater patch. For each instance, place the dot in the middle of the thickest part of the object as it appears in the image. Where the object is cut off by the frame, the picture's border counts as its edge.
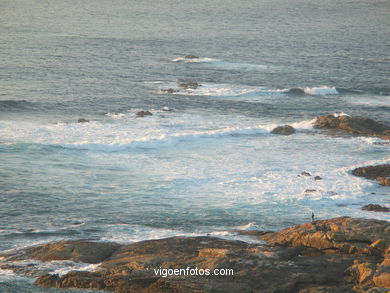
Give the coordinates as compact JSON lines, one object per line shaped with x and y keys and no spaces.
{"x":321,"y":91}
{"x":238,"y":91}
{"x":220,"y":64}
{"x":124,"y":131}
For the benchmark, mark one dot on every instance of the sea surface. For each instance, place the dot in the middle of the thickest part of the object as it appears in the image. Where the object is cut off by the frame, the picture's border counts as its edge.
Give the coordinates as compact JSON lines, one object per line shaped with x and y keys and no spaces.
{"x":205,"y":161}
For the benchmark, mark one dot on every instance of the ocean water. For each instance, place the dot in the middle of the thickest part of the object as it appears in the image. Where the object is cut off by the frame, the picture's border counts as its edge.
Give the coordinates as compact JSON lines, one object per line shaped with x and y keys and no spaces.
{"x":208,"y":166}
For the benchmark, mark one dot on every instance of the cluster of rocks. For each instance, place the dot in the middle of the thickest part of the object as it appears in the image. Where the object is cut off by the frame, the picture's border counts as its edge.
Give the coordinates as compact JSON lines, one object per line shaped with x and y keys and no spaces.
{"x":353,"y":125}
{"x":191,"y":85}
{"x":307,"y":174}
{"x":335,"y":255}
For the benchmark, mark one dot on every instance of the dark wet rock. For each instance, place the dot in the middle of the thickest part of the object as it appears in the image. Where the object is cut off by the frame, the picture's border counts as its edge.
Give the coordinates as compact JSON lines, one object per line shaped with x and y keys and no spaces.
{"x":310,"y":190}
{"x":353,"y":125}
{"x":317,"y":178}
{"x":375,"y":208}
{"x":335,"y":255}
{"x":380,"y":173}
{"x":283,"y":130}
{"x":304,"y":173}
{"x":189,"y":85}
{"x":166,"y":91}
{"x":191,"y":57}
{"x":82,"y":120}
{"x":143,"y":113}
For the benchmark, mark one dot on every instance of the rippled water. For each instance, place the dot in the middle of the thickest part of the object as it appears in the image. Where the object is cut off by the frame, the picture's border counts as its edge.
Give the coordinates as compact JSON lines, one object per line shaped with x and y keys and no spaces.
{"x":209,"y":165}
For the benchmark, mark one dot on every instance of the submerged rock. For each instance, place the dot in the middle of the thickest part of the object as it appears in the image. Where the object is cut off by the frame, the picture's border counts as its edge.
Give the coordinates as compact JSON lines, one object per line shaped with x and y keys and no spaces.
{"x":143,"y":113}
{"x":189,"y":85}
{"x":375,"y":208}
{"x":380,"y":173}
{"x":191,"y":57}
{"x":82,"y":120}
{"x":323,"y":256}
{"x":283,"y":130}
{"x":166,"y":91}
{"x":353,"y":125}
{"x":304,"y":173}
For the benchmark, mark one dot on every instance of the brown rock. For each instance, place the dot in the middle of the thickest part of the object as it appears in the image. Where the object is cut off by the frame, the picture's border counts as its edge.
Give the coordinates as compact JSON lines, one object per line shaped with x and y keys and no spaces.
{"x":82,"y":120}
{"x":353,"y":125}
{"x":85,"y":280}
{"x":343,"y":234}
{"x":47,"y":281}
{"x":143,"y":113}
{"x":189,"y":85}
{"x":323,"y":256}
{"x":283,"y":130}
{"x":317,"y":178}
{"x":375,"y":208}
{"x":191,"y":56}
{"x":304,"y":173}
{"x":380,"y":173}
{"x":84,"y":251}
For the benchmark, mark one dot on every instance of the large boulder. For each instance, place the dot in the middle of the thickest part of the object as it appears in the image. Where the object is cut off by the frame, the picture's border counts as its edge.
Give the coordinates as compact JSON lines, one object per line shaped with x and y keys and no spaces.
{"x":380,"y":173}
{"x":143,"y":114}
{"x":375,"y":208}
{"x":353,"y":125}
{"x":283,"y":130}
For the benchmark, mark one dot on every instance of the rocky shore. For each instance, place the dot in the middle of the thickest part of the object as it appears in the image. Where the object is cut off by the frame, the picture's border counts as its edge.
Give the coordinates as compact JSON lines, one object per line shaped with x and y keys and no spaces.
{"x":353,"y":125}
{"x":335,"y":255}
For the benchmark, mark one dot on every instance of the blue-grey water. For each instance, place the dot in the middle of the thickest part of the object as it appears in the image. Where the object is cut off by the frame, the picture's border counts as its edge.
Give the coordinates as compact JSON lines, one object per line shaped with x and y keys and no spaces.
{"x":208,"y":166}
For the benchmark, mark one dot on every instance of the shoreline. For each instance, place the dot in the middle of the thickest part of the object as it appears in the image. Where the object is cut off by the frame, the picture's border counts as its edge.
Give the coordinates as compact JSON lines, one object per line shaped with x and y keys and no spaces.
{"x":347,"y":254}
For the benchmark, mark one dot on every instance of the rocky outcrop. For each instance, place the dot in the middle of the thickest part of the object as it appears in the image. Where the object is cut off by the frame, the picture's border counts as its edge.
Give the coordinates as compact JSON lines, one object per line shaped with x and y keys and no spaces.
{"x":380,"y":173}
{"x":375,"y":208}
{"x":283,"y":130}
{"x":353,"y":125}
{"x":349,"y":235}
{"x":143,"y":113}
{"x":82,"y":120}
{"x":81,"y":250}
{"x":336,"y":255}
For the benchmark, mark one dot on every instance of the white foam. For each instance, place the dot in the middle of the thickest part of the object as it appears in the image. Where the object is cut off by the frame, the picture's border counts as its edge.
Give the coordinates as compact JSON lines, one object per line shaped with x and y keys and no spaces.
{"x":304,"y":125}
{"x":340,"y":114}
{"x":248,"y":227}
{"x":126,"y":132}
{"x":321,"y":91}
{"x":223,"y":90}
{"x":220,"y":64}
{"x":195,"y":60}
